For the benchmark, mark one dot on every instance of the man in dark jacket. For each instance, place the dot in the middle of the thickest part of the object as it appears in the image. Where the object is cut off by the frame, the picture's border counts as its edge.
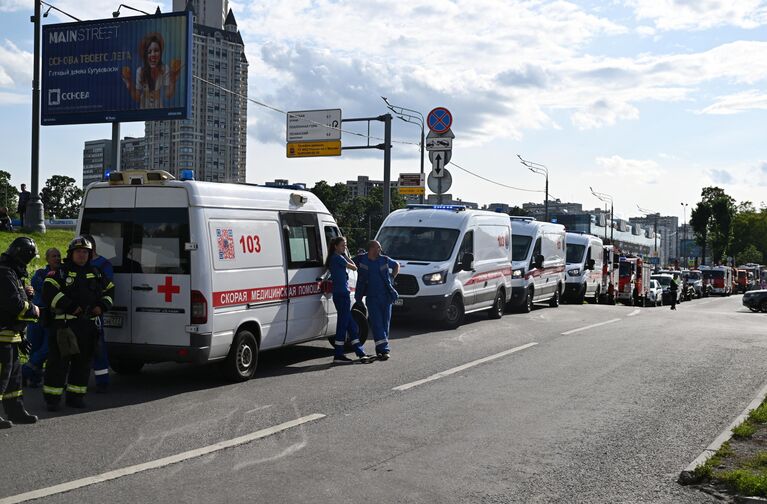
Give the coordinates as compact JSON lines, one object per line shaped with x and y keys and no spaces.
{"x":24,"y":196}
{"x":16,"y":311}
{"x":78,"y":294}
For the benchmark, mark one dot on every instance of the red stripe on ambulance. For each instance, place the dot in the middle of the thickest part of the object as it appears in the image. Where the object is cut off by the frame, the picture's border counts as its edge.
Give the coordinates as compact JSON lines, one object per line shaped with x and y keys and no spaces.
{"x":265,"y":294}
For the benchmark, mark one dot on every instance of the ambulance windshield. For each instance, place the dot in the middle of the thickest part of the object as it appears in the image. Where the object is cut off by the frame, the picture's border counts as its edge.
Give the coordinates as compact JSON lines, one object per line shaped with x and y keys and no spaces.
{"x":520,"y":246}
{"x":418,"y":243}
{"x":575,"y":253}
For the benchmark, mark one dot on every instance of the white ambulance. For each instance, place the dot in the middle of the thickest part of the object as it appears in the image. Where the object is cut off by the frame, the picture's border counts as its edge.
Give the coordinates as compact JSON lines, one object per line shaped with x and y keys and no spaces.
{"x":453,"y":261}
{"x":585,"y":254}
{"x":209,"y":272}
{"x":538,"y":255}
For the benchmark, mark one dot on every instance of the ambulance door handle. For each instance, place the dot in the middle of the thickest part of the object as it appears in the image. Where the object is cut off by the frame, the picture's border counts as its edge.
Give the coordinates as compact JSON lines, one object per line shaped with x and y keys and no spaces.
{"x":143,"y":287}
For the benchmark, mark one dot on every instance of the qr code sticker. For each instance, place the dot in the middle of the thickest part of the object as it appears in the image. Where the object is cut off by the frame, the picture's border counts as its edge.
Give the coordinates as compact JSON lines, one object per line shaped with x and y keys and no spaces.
{"x":225,"y":238}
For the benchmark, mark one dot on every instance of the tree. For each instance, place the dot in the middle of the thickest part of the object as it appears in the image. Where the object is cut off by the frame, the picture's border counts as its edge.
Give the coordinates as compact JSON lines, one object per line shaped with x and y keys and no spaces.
{"x":61,"y":197}
{"x":699,"y":221}
{"x":711,"y":221}
{"x":749,"y":255}
{"x":518,"y":211}
{"x":8,"y":194}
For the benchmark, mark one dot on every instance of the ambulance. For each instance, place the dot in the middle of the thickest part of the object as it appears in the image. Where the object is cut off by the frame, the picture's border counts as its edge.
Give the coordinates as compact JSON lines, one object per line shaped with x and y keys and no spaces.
{"x":538,"y":258}
{"x":584,"y":257}
{"x":453,"y":261}
{"x":209,"y":272}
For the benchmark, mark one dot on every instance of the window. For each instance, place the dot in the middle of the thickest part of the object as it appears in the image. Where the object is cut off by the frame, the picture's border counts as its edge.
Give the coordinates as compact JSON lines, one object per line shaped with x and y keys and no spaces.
{"x":416,"y":243}
{"x":520,"y":245}
{"x":575,"y":253}
{"x":536,"y":252}
{"x":467,"y":247}
{"x":330,"y":233}
{"x":302,"y":239}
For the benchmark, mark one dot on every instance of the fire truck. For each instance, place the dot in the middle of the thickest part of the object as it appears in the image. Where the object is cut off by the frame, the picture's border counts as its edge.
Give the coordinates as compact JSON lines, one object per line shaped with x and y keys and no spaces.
{"x":717,"y":279}
{"x":753,"y":276}
{"x":610,"y":263}
{"x":633,"y":281}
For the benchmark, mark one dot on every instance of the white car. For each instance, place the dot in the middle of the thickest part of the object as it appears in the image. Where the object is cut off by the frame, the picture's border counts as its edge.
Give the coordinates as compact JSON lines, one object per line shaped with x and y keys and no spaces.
{"x":655,"y":293}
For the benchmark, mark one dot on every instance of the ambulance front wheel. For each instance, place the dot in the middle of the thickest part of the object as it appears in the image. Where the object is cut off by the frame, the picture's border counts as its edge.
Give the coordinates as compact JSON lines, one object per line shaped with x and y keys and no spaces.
{"x":240,"y":364}
{"x":454,"y":313}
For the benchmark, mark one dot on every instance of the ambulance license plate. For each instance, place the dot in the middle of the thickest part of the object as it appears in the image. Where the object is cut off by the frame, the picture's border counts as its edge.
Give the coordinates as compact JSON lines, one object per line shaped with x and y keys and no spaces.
{"x":399,"y":302}
{"x":115,"y":321}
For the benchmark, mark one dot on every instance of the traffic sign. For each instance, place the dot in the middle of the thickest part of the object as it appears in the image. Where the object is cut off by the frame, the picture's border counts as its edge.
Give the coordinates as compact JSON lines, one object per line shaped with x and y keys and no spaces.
{"x":314,"y":149}
{"x":439,"y":144}
{"x":411,"y":183}
{"x":412,"y":190}
{"x":313,"y":125}
{"x":438,"y":165}
{"x":439,"y":120}
{"x":440,"y":185}
{"x":446,"y":156}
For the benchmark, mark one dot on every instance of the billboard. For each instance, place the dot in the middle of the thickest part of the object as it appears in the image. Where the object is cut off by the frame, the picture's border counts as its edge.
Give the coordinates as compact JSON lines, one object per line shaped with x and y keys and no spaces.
{"x":117,"y":70}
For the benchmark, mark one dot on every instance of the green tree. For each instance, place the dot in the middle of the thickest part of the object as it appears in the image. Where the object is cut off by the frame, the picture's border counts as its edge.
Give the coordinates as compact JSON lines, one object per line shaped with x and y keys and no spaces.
{"x":61,"y":197}
{"x":518,"y":211}
{"x":9,"y":197}
{"x":699,"y":222}
{"x":750,"y":255}
{"x":711,"y":221}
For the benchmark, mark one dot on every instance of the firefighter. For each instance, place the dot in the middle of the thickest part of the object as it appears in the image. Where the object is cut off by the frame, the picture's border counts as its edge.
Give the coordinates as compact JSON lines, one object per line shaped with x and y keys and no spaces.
{"x":101,"y":360}
{"x":78,"y":294}
{"x":375,"y":282}
{"x":16,"y":311}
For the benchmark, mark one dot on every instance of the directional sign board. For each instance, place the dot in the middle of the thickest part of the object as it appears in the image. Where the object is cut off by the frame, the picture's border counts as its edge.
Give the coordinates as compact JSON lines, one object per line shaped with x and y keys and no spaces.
{"x":411,"y":183}
{"x":439,"y":120}
{"x":438,"y":165}
{"x":314,"y":149}
{"x":439,"y":144}
{"x":442,"y":184}
{"x":313,"y":125}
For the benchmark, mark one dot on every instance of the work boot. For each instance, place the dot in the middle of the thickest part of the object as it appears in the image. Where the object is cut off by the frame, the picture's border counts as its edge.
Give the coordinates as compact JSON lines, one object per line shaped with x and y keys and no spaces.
{"x":5,"y":424}
{"x":17,"y":413}
{"x":75,"y":401}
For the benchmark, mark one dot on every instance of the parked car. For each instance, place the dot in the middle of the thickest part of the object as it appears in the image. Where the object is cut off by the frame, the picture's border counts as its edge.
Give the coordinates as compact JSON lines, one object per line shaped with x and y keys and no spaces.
{"x":756,"y":300}
{"x":655,"y":293}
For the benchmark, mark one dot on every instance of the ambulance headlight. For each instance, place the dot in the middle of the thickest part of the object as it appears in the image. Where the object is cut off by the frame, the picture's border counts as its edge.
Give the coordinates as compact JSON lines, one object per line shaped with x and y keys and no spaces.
{"x":437,"y":278}
{"x":517,"y":273}
{"x":574,"y":272}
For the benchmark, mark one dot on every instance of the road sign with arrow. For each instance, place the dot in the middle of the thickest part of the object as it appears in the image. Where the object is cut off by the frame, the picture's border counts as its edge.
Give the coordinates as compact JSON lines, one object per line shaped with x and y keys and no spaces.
{"x":438,"y":165}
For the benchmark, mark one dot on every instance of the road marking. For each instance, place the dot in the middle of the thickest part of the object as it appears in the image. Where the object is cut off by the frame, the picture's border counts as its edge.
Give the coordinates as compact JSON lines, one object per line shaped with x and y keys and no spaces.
{"x":635,"y":312}
{"x":460,"y":368}
{"x":159,"y":463}
{"x":573,"y":331}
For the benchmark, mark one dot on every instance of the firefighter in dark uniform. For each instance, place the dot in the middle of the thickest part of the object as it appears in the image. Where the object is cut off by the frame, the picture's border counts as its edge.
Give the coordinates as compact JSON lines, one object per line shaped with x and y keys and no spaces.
{"x":16,"y":311}
{"x":78,"y":294}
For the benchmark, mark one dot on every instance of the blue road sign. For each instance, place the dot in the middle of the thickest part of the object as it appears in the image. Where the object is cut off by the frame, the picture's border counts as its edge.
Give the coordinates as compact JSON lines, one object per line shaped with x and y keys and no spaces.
{"x":439,"y":120}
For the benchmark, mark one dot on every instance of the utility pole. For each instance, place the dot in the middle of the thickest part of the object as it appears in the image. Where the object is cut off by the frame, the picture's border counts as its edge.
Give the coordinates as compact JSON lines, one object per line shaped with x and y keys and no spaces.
{"x":414,"y":118}
{"x":387,"y":164}
{"x":34,"y":217}
{"x":540,"y":170}
{"x":606,"y":198}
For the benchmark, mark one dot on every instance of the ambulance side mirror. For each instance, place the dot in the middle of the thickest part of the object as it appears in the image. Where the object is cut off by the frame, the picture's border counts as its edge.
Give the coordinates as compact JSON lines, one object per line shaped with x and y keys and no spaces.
{"x":467,"y":262}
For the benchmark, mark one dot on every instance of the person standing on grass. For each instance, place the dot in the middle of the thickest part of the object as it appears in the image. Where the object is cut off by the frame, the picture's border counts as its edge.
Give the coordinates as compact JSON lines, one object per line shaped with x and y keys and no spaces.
{"x":338,"y":263}
{"x":24,"y":196}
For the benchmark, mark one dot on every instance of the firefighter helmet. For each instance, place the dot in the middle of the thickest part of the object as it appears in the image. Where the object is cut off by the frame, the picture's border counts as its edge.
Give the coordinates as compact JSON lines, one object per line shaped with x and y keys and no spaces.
{"x":22,"y":249}
{"x":80,"y":243}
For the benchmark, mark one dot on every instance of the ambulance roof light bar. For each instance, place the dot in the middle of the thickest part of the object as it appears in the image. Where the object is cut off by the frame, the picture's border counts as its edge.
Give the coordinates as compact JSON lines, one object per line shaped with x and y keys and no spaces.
{"x":522,"y":218}
{"x":139,"y":177}
{"x":454,"y":208}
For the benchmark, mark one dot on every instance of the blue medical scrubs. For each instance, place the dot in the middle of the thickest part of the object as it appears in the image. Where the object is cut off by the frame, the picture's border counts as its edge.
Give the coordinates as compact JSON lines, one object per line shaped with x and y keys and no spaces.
{"x":374,"y":282}
{"x":101,"y":360}
{"x":342,"y":301}
{"x":37,"y":334}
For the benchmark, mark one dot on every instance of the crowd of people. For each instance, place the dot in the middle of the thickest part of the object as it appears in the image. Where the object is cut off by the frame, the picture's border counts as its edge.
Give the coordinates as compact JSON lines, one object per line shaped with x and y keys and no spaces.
{"x":51,"y":331}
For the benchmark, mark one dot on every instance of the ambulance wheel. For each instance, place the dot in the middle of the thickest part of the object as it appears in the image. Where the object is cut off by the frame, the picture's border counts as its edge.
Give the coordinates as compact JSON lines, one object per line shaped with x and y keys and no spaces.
{"x":499,"y":305}
{"x":454,"y":313}
{"x":527,"y":306}
{"x":126,"y":366}
{"x":240,"y":364}
{"x":554,"y":301}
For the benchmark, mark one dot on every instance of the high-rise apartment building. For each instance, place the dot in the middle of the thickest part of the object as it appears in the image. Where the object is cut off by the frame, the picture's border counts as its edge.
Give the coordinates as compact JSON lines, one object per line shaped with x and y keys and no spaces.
{"x":133,"y":155}
{"x":212,"y":142}
{"x":97,"y":160}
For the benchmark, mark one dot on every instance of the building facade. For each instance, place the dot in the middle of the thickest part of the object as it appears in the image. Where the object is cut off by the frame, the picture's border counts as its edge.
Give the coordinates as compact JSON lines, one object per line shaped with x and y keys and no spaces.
{"x":97,"y":160}
{"x":212,"y":142}
{"x":667,"y":228}
{"x":363,"y":185}
{"x":133,"y":153}
{"x":538,"y":210}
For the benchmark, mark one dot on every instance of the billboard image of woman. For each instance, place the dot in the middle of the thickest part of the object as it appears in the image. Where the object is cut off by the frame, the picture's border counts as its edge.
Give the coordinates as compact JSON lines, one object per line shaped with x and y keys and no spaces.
{"x":156,"y":81}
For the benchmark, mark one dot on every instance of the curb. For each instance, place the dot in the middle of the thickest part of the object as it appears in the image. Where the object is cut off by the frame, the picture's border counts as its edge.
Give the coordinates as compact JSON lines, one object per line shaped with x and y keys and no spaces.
{"x":686,"y":476}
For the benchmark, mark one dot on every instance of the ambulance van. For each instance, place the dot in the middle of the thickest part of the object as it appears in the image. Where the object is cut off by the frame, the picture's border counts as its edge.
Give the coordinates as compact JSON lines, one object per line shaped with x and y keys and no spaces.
{"x":585,"y":254}
{"x":208,"y":272}
{"x":538,"y":255}
{"x":453,"y":261}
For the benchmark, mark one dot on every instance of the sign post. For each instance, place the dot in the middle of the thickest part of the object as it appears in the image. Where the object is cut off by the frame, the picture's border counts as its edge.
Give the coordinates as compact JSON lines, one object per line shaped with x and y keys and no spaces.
{"x":439,"y":143}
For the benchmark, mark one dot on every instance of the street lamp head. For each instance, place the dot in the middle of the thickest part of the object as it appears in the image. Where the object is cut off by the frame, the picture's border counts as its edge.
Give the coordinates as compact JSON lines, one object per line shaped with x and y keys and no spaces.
{"x":116,"y":13}
{"x":45,"y":14}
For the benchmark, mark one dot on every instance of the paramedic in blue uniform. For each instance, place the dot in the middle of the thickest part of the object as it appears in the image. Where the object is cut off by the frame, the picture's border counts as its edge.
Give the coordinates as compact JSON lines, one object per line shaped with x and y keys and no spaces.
{"x":375,"y":283}
{"x":100,"y":359}
{"x":338,"y":263}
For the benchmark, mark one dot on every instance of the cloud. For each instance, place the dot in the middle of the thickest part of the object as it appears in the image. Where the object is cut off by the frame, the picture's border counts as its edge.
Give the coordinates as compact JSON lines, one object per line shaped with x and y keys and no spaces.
{"x":14,"y":98}
{"x":603,"y":113}
{"x":92,"y":9}
{"x":637,"y":170}
{"x":530,"y":76}
{"x":15,"y":65}
{"x":720,"y":176}
{"x":736,"y":103}
{"x":700,"y":14}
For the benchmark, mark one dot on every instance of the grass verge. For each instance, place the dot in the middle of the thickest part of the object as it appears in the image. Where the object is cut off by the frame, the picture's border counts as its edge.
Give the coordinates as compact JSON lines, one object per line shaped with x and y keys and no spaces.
{"x":58,"y":238}
{"x":740,"y":465}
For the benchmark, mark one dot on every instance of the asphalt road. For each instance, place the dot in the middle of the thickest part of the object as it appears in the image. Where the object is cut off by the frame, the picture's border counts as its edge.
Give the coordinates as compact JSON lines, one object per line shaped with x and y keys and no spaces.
{"x":610,"y":413}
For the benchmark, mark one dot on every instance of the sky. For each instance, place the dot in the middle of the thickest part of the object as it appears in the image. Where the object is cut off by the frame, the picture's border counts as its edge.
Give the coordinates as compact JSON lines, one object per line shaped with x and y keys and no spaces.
{"x":646,"y":100}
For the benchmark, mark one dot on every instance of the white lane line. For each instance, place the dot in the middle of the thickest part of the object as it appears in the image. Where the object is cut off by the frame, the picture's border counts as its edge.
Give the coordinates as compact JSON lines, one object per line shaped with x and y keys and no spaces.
{"x":635,"y":312}
{"x":573,"y":331}
{"x":156,"y":464}
{"x":460,"y":368}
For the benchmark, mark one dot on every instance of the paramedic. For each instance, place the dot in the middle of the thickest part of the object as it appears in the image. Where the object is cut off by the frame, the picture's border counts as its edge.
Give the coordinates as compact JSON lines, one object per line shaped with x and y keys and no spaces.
{"x":16,"y":311}
{"x":337,"y":263}
{"x":375,"y":282}
{"x":78,"y":295}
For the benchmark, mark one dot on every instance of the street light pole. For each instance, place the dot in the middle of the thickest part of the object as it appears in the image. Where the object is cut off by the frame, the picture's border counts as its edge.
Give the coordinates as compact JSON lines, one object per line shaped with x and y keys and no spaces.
{"x":684,"y":221}
{"x":540,"y":170}
{"x":418,"y":120}
{"x":606,"y":198}
{"x":34,"y":218}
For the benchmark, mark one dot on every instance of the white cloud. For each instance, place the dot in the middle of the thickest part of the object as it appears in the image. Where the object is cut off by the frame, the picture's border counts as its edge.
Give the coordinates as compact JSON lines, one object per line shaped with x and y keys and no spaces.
{"x":700,"y":14}
{"x":603,"y":113}
{"x":637,"y":170}
{"x":738,"y":102}
{"x":92,"y":9}
{"x":14,"y":98}
{"x":15,"y":65}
